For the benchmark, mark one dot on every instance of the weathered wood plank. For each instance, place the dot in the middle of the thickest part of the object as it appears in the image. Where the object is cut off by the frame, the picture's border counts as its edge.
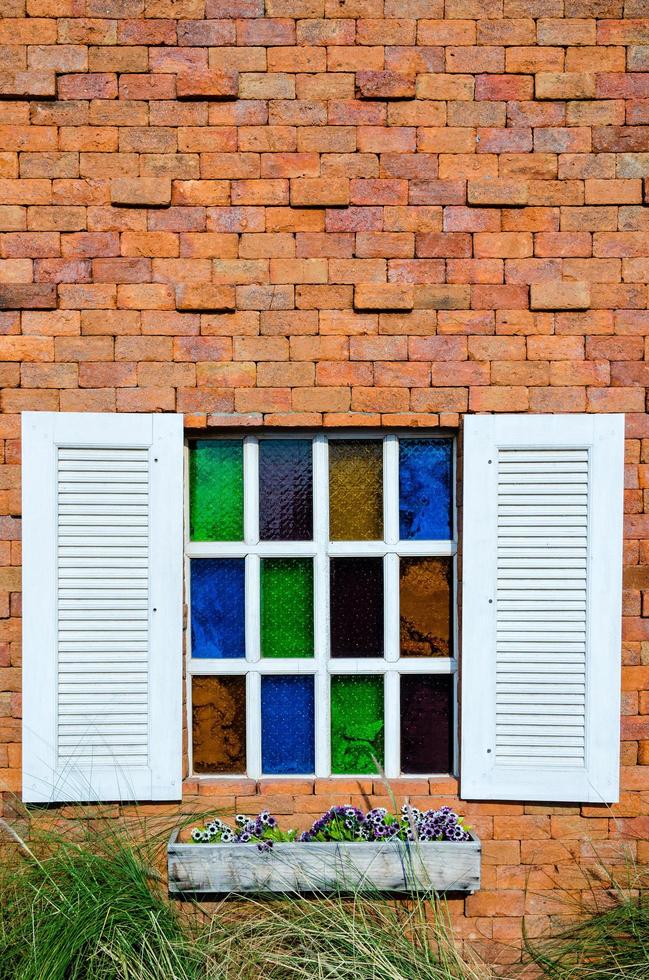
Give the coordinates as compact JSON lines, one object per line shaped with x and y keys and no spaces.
{"x":306,"y":867}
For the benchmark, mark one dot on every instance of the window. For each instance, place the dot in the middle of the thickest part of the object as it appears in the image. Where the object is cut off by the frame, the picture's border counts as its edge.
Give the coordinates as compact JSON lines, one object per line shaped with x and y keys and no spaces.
{"x":321,"y":574}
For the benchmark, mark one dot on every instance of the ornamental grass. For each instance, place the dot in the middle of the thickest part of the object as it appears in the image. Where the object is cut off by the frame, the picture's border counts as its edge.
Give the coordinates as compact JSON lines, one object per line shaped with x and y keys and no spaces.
{"x":609,"y":939}
{"x":90,"y":903}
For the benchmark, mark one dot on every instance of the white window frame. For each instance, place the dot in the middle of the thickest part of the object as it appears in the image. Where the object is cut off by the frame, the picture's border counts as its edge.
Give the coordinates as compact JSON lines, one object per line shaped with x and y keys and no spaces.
{"x":321,"y":666}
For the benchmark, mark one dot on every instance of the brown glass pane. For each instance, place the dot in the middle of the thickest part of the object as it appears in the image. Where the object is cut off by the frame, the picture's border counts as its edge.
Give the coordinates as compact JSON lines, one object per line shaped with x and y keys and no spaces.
{"x":425,"y":607}
{"x":356,"y":607}
{"x":219,"y":724}
{"x":356,"y":489}
{"x":426,"y":723}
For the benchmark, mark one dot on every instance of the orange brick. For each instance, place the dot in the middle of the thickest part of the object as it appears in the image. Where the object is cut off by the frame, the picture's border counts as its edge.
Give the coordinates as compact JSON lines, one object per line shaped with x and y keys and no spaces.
{"x":383,"y":296}
{"x":560,"y":296}
{"x":319,"y":192}
{"x":207,"y":297}
{"x":493,"y":192}
{"x":140,"y":191}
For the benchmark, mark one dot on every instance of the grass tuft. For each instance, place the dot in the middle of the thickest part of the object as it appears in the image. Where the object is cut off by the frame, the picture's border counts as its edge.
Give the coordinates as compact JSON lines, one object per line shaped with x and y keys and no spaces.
{"x":611,"y":944}
{"x":89,"y":903}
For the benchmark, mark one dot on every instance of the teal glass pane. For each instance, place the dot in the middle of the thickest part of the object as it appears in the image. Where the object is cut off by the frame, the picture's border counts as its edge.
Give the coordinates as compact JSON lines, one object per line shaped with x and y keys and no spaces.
{"x":216,"y":490}
{"x":287,"y":607}
{"x":357,"y":728}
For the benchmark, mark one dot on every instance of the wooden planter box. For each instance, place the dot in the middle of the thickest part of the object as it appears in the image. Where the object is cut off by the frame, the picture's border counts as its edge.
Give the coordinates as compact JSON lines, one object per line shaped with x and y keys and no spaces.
{"x":390,"y":866}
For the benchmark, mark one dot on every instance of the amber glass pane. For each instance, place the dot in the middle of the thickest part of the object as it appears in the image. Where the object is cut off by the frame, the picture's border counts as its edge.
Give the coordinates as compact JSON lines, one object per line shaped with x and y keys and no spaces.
{"x":356,"y":607}
{"x":219,"y":724}
{"x":425,"y":607}
{"x":426,"y":720}
{"x":356,"y":489}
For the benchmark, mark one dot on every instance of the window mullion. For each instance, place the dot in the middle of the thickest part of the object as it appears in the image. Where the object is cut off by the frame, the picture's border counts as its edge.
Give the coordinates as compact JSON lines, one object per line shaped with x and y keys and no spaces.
{"x":250,"y":490}
{"x":392,"y":724}
{"x":321,"y":600}
{"x":391,"y":607}
{"x":391,"y":489}
{"x":253,"y":724}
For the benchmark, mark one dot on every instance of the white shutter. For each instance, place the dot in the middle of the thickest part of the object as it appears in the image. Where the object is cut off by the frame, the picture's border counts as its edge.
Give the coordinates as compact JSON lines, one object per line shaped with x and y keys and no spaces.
{"x":541,"y":607}
{"x":102,"y":607}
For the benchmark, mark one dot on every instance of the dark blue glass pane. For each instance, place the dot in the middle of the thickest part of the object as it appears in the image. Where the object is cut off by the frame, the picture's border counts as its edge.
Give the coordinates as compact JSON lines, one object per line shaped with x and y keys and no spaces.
{"x":287,"y":718}
{"x":425,"y":467}
{"x":217,"y":598}
{"x":285,"y":490}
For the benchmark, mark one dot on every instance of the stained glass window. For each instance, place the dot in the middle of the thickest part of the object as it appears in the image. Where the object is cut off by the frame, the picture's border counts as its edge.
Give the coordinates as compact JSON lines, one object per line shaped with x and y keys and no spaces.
{"x":426,"y":718}
{"x":356,"y":489}
{"x":216,"y":490}
{"x":287,"y":607}
{"x":320,"y":627}
{"x":219,"y":724}
{"x":287,"y":725}
{"x":425,"y":489}
{"x":218,"y":614}
{"x":356,"y":607}
{"x":425,"y":607}
{"x":285,"y":490}
{"x":357,"y":724}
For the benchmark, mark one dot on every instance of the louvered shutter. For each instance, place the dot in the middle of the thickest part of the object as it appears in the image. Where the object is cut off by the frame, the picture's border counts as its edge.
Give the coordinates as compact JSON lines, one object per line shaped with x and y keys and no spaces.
{"x":541,"y":607}
{"x":102,"y":607}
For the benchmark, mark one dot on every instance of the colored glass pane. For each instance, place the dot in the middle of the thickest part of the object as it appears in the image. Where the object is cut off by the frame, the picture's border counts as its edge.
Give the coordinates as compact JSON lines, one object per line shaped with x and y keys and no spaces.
{"x":285,"y":490}
{"x":356,"y":489}
{"x":219,"y":724}
{"x":216,"y":490}
{"x":356,"y":724}
{"x":426,"y":719}
{"x":356,"y":607}
{"x":287,"y":607}
{"x":217,"y":609}
{"x":425,"y":607}
{"x":425,"y":467}
{"x":287,"y":725}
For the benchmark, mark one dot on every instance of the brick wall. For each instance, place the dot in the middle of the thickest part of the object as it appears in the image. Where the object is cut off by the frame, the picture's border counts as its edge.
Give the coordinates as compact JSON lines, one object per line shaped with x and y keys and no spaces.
{"x":334,"y":212}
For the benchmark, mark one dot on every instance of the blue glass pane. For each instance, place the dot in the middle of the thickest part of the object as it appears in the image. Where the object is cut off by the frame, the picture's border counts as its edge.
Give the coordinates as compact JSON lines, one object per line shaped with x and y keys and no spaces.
{"x":425,"y":489}
{"x":287,"y":717}
{"x":217,"y":618}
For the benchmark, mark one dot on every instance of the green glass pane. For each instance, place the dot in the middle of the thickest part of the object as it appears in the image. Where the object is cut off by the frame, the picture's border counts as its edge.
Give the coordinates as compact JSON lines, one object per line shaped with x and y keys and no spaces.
{"x":216,"y":490}
{"x":287,"y":607}
{"x":356,"y":724}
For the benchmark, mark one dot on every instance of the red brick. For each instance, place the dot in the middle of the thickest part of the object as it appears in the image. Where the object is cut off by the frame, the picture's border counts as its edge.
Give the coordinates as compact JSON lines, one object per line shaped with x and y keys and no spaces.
{"x":385,"y":85}
{"x":212,"y":84}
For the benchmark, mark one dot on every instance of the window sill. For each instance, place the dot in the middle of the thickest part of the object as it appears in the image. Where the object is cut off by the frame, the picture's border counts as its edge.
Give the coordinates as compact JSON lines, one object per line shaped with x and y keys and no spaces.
{"x":206,"y":786}
{"x":240,"y":869}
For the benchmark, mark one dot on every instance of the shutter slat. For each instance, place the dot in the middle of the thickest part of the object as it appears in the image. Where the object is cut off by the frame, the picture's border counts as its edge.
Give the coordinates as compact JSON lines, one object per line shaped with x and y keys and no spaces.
{"x":102,"y":652}
{"x":541,"y":608}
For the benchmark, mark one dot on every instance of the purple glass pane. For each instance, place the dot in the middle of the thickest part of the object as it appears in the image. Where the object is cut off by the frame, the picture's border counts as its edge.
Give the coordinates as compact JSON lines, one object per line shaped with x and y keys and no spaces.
{"x":356,"y":603}
{"x":426,"y":723}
